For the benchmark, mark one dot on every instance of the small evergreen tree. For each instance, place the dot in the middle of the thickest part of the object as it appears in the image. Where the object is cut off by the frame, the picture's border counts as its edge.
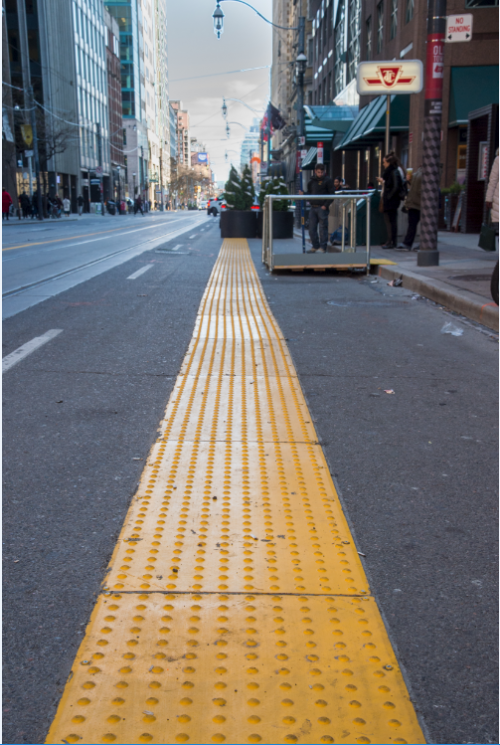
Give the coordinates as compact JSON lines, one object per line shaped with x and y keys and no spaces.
{"x":235,"y":198}
{"x":248,"y":188}
{"x":275,"y":186}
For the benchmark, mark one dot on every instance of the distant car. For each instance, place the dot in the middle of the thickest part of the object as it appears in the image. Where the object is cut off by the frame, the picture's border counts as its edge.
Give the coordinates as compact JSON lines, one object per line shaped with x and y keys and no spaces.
{"x":215,"y":206}
{"x":203,"y":204}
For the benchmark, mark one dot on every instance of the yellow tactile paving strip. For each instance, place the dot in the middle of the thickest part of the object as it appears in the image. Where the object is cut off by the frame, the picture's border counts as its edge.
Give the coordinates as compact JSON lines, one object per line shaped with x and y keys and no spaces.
{"x":236,"y":608}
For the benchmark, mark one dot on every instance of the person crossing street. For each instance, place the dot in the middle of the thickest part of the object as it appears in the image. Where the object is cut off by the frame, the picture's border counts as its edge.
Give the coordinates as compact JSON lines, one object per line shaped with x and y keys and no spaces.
{"x":319,"y":184}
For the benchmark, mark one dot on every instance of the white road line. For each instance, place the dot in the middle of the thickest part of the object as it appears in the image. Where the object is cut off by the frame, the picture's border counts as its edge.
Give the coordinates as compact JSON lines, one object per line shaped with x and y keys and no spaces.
{"x":192,"y":236}
{"x":19,"y":354}
{"x":176,"y":248}
{"x":140,"y":271}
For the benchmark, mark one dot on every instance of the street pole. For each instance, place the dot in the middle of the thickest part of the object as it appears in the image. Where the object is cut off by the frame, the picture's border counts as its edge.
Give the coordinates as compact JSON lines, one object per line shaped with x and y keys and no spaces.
{"x":428,"y":254}
{"x":101,"y":176}
{"x":31,"y":99}
{"x":119,"y":192}
{"x":302,"y":124}
{"x":387,"y":125}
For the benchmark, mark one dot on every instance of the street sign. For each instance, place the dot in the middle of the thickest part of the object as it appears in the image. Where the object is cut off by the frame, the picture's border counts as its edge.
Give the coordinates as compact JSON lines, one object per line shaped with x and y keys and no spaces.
{"x":319,"y":154}
{"x":390,"y":77}
{"x":27,"y":133}
{"x":302,"y":141}
{"x":98,"y":171}
{"x":459,"y":28}
{"x":28,"y":153}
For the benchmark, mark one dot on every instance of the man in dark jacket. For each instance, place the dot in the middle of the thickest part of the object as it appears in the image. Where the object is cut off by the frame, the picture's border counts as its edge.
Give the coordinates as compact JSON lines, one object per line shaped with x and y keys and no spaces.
{"x":320,"y":183}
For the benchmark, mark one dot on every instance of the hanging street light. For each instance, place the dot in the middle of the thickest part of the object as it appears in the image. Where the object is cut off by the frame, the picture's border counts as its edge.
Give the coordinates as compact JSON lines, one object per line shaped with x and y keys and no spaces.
{"x":228,"y":131}
{"x":224,"y":108}
{"x":218,"y":17}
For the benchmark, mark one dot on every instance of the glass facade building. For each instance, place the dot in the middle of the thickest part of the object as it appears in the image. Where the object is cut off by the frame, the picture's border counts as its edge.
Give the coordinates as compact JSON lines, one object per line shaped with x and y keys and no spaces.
{"x":90,"y":50}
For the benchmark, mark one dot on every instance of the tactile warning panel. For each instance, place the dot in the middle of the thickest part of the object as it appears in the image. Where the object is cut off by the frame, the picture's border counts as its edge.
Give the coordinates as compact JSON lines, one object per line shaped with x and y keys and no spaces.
{"x":235,"y":608}
{"x":237,"y":517}
{"x":236,"y":669}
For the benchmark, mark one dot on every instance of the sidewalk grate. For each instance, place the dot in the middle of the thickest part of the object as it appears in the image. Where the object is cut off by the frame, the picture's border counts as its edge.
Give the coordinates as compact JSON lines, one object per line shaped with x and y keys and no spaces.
{"x":236,"y":608}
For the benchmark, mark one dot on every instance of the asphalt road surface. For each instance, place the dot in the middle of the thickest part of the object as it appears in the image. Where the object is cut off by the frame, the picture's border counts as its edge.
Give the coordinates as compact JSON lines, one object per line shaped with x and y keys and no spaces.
{"x":416,"y":469}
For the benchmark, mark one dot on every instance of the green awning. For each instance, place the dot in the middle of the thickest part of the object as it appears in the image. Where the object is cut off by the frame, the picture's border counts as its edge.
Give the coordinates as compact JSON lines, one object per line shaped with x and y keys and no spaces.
{"x":369,"y":126}
{"x":309,"y":161}
{"x":334,"y":118}
{"x":317,"y":134}
{"x":310,"y":157}
{"x":471,"y":88}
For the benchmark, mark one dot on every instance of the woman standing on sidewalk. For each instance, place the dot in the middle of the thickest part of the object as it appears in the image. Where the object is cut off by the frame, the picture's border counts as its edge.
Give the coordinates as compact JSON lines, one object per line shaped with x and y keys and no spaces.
{"x":391,"y":197}
{"x":6,"y":202}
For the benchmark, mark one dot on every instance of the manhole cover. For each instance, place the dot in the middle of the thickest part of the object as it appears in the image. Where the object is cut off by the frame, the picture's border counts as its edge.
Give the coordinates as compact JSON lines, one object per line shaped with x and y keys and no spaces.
{"x":472,"y":277}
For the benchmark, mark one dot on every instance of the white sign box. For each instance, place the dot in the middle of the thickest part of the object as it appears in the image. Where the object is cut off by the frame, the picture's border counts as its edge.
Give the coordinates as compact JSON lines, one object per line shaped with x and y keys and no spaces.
{"x":459,"y":28}
{"x":390,"y":77}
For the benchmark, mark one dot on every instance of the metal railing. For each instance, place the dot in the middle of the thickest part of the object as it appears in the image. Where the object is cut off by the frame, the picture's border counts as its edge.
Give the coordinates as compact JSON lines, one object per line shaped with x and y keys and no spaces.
{"x":348,"y":201}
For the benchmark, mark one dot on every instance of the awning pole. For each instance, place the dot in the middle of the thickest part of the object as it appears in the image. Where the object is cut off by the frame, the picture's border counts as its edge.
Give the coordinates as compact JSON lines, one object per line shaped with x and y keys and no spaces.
{"x":387,"y":125}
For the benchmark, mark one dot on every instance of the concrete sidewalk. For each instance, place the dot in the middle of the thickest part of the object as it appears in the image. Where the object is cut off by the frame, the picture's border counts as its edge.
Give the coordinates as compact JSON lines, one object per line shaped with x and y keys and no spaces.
{"x":461,"y":282}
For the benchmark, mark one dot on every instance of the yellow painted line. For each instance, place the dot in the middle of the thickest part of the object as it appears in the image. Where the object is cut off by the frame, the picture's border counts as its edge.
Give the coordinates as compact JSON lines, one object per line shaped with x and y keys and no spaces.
{"x":382,"y":262}
{"x":235,"y":608}
{"x":58,"y":240}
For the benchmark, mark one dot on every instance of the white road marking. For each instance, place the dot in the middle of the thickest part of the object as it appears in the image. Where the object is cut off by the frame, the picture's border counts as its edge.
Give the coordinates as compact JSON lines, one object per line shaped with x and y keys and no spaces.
{"x":192,"y":236}
{"x":140,"y":271}
{"x":176,"y":248}
{"x":19,"y":354}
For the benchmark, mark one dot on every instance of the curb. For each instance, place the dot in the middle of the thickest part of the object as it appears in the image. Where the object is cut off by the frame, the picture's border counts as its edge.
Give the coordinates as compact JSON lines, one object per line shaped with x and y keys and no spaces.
{"x":468,"y":304}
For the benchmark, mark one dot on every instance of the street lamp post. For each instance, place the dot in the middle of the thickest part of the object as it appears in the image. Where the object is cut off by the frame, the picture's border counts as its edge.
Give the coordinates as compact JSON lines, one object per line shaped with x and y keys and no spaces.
{"x":119,"y":192}
{"x":133,"y":176}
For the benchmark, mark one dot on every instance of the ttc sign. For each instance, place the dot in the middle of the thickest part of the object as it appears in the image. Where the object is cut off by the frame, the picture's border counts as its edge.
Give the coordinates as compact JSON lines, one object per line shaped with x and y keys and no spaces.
{"x":390,"y":77}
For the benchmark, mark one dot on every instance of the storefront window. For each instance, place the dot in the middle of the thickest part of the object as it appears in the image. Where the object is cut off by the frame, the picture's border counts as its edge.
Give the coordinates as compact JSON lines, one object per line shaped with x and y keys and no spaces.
{"x":369,"y":38}
{"x":339,"y":49}
{"x":380,"y":27}
{"x":394,"y":18}
{"x":353,"y":41}
{"x":481,"y":3}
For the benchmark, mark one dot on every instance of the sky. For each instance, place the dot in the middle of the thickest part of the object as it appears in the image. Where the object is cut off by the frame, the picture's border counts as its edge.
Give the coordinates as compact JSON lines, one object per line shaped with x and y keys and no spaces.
{"x":194,"y":51}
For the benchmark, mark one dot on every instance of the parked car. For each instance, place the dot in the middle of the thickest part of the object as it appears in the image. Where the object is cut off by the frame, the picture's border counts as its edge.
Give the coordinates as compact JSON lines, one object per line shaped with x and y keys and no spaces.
{"x":215,"y":206}
{"x":203,"y":204}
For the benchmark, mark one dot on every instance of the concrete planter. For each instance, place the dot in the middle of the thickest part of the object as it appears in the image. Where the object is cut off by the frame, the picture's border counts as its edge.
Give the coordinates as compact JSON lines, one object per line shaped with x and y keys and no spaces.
{"x":282,"y":224}
{"x":238,"y":224}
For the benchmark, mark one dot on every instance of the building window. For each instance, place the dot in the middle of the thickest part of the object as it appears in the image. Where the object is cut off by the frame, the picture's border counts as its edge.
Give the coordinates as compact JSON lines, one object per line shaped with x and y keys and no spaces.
{"x":481,"y":3}
{"x":394,"y":18}
{"x":369,"y":38}
{"x":339,"y":48}
{"x":410,"y":6}
{"x":380,"y":27}
{"x":353,"y":49}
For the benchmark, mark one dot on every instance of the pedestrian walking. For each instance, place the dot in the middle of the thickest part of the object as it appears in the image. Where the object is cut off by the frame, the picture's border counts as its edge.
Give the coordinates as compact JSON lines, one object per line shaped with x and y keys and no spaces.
{"x":391,"y":197}
{"x":412,"y":205}
{"x":34,"y":206}
{"x":138,"y":206}
{"x":79,"y":204}
{"x":66,"y":206}
{"x":25,"y":205}
{"x":6,"y":203}
{"x":319,"y":184}
{"x":492,"y":193}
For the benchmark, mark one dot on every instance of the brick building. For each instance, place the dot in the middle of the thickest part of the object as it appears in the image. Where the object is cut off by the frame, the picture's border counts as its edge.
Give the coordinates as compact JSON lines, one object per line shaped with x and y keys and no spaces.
{"x":345,"y":32}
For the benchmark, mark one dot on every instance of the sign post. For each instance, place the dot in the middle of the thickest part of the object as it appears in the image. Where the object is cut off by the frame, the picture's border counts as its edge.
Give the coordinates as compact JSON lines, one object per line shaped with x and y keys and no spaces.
{"x":428,"y":254}
{"x":459,"y":28}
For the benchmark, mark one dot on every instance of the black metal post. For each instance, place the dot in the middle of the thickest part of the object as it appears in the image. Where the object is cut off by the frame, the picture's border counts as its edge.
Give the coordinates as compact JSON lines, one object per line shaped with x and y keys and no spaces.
{"x":428,"y":254}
